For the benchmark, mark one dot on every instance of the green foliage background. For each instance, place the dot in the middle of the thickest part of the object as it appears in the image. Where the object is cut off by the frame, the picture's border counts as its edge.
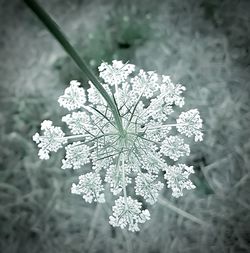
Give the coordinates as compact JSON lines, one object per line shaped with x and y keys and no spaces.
{"x":202,"y":44}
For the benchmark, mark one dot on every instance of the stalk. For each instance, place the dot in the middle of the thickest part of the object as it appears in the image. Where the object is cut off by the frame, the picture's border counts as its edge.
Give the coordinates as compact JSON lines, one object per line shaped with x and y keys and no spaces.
{"x":64,"y":42}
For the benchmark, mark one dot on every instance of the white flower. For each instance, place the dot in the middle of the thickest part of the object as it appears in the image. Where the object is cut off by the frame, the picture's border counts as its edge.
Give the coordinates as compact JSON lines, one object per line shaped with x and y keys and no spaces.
{"x":174,"y":147}
{"x":51,"y":140}
{"x":128,"y":151}
{"x":74,"y":97}
{"x":127,"y":212}
{"x":190,"y":123}
{"x":90,"y":187}
{"x":158,"y":110}
{"x":172,"y":92}
{"x":115,"y":74}
{"x":77,"y":154}
{"x":152,"y":164}
{"x":145,"y":83}
{"x":147,"y":186}
{"x":177,"y":179}
{"x":78,"y":122}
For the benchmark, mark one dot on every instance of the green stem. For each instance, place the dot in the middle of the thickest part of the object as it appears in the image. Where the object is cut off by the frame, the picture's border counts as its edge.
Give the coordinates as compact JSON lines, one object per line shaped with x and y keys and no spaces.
{"x":63,"y":40}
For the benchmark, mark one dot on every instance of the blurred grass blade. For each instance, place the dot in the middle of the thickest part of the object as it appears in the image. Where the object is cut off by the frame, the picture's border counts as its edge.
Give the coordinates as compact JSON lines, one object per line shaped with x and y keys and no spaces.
{"x":181,"y":212}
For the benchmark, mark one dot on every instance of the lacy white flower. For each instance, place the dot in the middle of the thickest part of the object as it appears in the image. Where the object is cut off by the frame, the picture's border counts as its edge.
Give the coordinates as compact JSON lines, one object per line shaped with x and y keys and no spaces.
{"x":177,"y":178}
{"x":116,"y":73}
{"x":90,"y":187}
{"x":74,"y":96}
{"x":147,"y":186}
{"x":190,"y":123}
{"x":52,"y":140}
{"x":78,"y":122}
{"x":127,"y":212}
{"x":77,"y":154}
{"x":127,"y":149}
{"x":174,"y":147}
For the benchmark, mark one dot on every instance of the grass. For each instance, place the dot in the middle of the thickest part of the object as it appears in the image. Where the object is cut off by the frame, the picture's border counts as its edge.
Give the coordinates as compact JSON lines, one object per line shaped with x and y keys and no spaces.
{"x":202,"y":45}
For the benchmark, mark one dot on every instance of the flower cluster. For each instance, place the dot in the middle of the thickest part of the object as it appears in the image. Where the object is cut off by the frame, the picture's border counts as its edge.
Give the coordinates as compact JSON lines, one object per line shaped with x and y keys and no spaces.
{"x":51,"y":140}
{"x":90,"y":187}
{"x":177,"y":178}
{"x":127,"y":212}
{"x":133,"y":154}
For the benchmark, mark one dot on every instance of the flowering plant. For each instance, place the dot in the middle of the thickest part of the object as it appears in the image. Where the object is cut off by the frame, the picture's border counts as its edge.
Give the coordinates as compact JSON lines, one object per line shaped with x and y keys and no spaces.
{"x":127,"y":141}
{"x":122,"y":129}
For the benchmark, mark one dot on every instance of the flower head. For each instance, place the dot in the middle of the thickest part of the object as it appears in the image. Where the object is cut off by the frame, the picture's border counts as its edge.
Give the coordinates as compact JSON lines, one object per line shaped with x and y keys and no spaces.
{"x":178,"y":179}
{"x":116,"y":73}
{"x":133,"y":153}
{"x":127,"y":212}
{"x":74,"y":96}
{"x":51,"y":140}
{"x":90,"y":187}
{"x":147,"y":186}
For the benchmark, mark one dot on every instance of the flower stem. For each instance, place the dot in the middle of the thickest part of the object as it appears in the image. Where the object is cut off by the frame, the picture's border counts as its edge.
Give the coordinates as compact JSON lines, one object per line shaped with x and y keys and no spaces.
{"x":124,"y":182}
{"x":63,"y":40}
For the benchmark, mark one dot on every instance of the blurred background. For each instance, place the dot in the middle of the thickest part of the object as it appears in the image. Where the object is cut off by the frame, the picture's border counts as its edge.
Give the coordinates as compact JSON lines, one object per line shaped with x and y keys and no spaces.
{"x":203,"y":44}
